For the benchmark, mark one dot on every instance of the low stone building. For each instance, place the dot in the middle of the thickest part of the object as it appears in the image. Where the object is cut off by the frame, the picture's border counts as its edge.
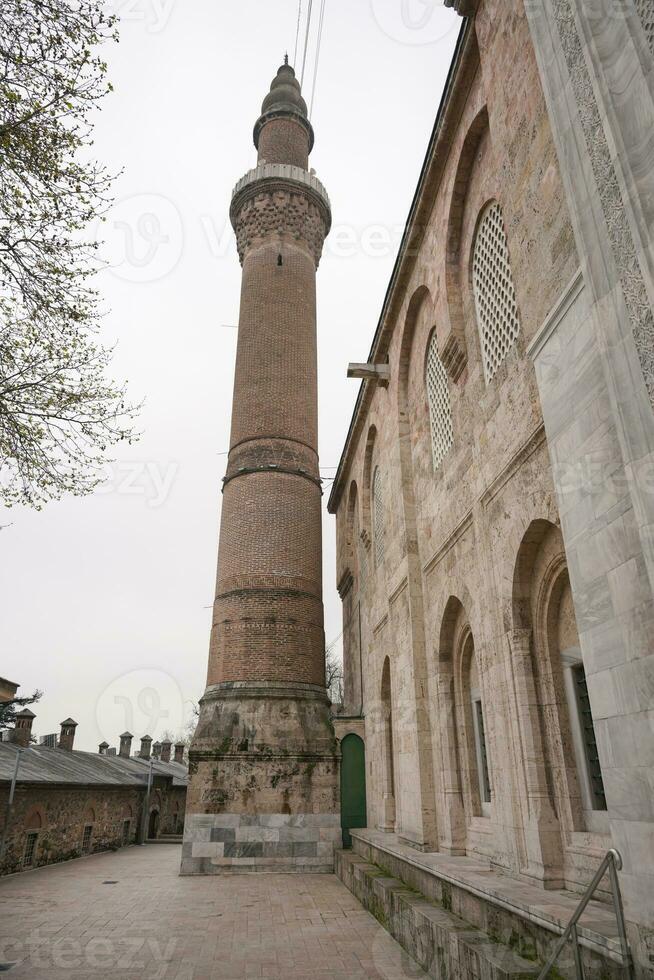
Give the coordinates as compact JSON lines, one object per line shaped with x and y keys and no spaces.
{"x":67,"y":803}
{"x":493,"y":500}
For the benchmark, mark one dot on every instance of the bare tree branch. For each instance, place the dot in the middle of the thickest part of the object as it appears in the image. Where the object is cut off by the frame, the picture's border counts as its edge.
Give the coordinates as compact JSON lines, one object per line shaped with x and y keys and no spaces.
{"x":334,"y":675}
{"x":59,"y":413}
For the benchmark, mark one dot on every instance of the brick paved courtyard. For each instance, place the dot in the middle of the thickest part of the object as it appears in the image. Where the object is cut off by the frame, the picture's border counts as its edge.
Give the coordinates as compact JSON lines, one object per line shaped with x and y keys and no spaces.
{"x":129,"y":915}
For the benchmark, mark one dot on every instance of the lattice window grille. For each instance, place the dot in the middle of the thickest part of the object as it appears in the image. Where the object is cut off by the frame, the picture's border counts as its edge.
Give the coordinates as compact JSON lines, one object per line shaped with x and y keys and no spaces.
{"x":645,"y":10}
{"x":378,"y":516}
{"x":86,"y":838}
{"x":30,"y":849}
{"x":440,"y":409}
{"x":363,"y":560}
{"x":497,"y":312}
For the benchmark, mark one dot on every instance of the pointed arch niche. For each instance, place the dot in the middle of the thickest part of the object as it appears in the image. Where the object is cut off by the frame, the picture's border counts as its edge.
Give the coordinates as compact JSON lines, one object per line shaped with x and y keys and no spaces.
{"x":454,"y":353}
{"x":388,"y":750}
{"x":456,"y":667}
{"x":564,"y":778}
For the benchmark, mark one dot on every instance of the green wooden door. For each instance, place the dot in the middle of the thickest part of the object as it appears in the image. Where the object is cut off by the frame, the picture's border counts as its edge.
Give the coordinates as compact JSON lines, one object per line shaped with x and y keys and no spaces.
{"x":353,"y":786}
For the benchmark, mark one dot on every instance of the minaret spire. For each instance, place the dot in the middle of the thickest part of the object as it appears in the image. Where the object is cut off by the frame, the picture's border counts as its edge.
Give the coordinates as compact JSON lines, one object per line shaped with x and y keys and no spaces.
{"x":291,"y":139}
{"x":263,"y":763}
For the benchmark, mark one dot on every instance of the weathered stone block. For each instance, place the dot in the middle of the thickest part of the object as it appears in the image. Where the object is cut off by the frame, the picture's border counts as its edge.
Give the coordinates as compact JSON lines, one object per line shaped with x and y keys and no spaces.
{"x":222,"y":834}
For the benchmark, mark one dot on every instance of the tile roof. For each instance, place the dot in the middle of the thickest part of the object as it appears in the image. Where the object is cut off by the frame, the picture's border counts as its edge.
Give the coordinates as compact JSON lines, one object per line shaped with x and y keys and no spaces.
{"x":43,"y":764}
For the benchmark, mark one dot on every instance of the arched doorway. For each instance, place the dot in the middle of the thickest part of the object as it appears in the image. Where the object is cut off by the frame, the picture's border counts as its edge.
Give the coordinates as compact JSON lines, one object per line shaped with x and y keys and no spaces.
{"x":153,"y":826}
{"x":353,"y":786}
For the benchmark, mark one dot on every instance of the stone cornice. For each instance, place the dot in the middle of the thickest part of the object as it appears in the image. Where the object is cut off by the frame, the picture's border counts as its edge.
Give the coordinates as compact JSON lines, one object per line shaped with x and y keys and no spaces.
{"x":288,"y":691}
{"x":345,"y":583}
{"x":272,"y":468}
{"x":556,"y":314}
{"x":466,"y":8}
{"x":461,"y":528}
{"x":533,"y":442}
{"x":381,"y":624}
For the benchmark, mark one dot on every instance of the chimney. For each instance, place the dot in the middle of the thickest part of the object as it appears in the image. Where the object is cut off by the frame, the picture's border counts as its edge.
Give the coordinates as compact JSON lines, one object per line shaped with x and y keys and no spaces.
{"x":22,"y":733}
{"x":67,"y":735}
{"x":179,"y":752}
{"x":165,"y":750}
{"x":126,"y":745}
{"x":156,"y":750}
{"x":102,"y":748}
{"x":146,"y":743}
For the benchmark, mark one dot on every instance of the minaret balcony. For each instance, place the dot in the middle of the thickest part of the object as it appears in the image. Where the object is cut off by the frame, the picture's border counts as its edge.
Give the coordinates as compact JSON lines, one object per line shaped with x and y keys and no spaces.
{"x":281,"y":171}
{"x":287,"y":197}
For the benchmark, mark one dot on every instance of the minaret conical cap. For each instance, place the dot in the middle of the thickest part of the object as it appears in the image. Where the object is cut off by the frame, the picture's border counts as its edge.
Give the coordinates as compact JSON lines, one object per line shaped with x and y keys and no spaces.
{"x":285,"y":93}
{"x":284,"y":100}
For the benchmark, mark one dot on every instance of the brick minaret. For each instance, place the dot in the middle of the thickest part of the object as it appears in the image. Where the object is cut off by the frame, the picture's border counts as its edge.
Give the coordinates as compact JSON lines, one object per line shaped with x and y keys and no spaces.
{"x":263,"y":793}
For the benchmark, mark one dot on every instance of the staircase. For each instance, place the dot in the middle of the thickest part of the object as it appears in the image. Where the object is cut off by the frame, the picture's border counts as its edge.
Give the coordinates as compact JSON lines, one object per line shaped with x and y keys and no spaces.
{"x":440,"y":942}
{"x":460,"y":918}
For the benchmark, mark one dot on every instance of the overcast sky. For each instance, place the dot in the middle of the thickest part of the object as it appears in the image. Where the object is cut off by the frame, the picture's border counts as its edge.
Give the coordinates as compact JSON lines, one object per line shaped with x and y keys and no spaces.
{"x":106,"y":600}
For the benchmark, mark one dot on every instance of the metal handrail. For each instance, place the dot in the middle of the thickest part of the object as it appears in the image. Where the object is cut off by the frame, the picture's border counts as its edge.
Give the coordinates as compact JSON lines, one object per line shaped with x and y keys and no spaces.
{"x":611,"y":862}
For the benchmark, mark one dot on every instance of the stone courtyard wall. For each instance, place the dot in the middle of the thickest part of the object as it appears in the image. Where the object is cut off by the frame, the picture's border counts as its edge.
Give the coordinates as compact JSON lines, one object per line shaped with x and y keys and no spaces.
{"x":59,"y":814}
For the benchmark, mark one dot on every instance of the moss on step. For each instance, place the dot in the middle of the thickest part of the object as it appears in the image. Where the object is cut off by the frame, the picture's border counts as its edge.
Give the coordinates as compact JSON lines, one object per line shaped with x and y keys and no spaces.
{"x":520,"y":945}
{"x":523,"y":946}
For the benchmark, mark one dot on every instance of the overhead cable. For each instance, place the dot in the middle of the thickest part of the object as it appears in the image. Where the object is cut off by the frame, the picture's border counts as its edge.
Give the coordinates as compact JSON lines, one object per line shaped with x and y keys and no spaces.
{"x":318,"y":43}
{"x":297,"y":31}
{"x":306,"y":42}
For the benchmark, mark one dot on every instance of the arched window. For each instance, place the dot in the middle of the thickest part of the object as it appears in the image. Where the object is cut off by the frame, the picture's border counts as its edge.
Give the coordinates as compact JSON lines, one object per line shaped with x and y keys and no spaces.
{"x":153,"y":825}
{"x":438,"y":397}
{"x":378,"y":516}
{"x":357,"y":549}
{"x":34,"y":820}
{"x":582,"y":725}
{"x":388,"y":759}
{"x":492,"y":282}
{"x":479,"y":732}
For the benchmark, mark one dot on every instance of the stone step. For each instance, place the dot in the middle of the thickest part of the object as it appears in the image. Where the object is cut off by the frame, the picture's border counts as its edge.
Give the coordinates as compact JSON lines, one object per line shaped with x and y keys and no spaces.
{"x":443,"y":944}
{"x":166,"y":839}
{"x":511,"y":912}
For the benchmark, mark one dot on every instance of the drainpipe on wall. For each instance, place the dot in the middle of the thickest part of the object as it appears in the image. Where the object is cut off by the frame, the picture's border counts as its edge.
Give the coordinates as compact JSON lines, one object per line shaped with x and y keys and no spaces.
{"x":10,"y":803}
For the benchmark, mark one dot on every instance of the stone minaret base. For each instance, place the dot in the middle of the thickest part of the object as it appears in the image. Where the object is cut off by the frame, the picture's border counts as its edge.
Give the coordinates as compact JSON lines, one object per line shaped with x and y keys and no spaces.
{"x":264,"y":787}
